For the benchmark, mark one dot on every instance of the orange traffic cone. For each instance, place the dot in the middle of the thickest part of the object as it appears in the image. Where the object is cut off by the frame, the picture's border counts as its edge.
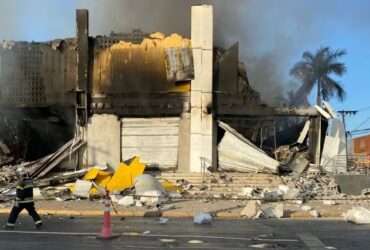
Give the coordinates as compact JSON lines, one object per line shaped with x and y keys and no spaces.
{"x":106,"y":232}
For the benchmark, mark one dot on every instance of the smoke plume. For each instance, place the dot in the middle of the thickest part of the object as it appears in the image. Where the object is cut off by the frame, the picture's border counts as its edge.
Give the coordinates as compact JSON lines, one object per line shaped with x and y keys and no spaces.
{"x":272,"y":33}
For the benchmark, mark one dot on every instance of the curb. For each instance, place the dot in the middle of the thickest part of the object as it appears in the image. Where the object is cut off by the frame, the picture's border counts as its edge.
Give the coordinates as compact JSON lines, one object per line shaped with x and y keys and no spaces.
{"x":171,"y":214}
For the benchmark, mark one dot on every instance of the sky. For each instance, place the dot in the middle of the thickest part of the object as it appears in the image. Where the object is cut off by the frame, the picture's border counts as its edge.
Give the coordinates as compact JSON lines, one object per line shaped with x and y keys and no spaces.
{"x":272,"y":34}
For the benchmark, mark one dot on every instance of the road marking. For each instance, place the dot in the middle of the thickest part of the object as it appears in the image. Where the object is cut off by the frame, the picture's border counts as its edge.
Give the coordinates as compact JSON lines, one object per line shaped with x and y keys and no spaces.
{"x":134,"y":234}
{"x":311,"y":241}
{"x":207,"y":237}
{"x":47,"y":233}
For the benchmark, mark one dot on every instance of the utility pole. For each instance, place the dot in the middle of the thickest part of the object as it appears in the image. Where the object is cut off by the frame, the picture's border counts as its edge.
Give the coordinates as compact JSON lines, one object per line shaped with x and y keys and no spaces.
{"x":345,"y":113}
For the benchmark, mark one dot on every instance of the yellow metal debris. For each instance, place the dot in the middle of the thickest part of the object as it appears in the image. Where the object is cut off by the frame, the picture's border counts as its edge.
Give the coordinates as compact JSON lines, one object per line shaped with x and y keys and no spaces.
{"x":125,"y":175}
{"x":170,"y":186}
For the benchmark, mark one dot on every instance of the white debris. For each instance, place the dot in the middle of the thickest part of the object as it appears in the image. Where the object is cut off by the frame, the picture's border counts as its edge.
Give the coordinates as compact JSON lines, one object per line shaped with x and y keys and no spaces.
{"x":329,"y":202}
{"x":358,"y":215}
{"x":274,"y":211}
{"x":163,"y":220}
{"x":150,"y":190}
{"x":127,"y":201}
{"x":314,"y":213}
{"x":37,"y":194}
{"x":260,"y":246}
{"x":306,"y":208}
{"x":152,"y":197}
{"x":252,"y":210}
{"x":115,"y":197}
{"x":298,"y":202}
{"x":145,"y":183}
{"x":283,"y":188}
{"x":138,"y":204}
{"x":174,"y":195}
{"x":247,"y":192}
{"x":82,"y":188}
{"x":202,"y":218}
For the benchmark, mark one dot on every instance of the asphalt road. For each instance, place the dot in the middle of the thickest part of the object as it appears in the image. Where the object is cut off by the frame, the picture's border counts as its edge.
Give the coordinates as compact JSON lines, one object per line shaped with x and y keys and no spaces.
{"x":148,"y":233}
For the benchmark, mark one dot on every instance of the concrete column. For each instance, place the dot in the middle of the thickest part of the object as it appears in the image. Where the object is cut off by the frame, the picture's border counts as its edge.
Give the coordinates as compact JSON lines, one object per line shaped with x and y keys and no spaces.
{"x":104,"y":140}
{"x":202,"y":124}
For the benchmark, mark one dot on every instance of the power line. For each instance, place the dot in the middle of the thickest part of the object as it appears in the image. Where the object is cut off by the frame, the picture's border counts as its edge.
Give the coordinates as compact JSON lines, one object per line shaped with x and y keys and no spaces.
{"x":363,"y":123}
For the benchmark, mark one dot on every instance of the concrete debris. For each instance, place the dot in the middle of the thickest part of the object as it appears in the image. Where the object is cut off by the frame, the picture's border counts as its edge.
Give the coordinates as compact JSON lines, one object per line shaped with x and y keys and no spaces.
{"x":306,"y":208}
{"x":272,"y":196}
{"x":334,"y":146}
{"x":82,"y":188}
{"x":138,"y":204}
{"x":115,"y":197}
{"x":152,"y":197}
{"x":145,"y":183}
{"x":252,"y":210}
{"x":298,"y":164}
{"x":127,"y":201}
{"x":314,"y":213}
{"x":149,"y":190}
{"x":313,"y":186}
{"x":273,"y":211}
{"x":248,"y":192}
{"x":358,"y":215}
{"x":202,"y":218}
{"x":37,"y":194}
{"x":353,"y":184}
{"x":329,"y":202}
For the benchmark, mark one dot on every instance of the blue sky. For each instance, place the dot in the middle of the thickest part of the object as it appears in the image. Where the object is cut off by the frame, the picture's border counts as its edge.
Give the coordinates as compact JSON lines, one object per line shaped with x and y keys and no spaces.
{"x":280,"y":29}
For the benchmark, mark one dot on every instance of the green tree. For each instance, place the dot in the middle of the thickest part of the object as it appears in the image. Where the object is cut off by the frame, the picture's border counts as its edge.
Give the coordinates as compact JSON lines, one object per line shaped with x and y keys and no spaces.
{"x":317,"y":70}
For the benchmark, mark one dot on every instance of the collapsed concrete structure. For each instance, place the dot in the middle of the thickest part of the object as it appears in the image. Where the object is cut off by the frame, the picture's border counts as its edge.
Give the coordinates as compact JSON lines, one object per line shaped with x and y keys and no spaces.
{"x":158,"y":97}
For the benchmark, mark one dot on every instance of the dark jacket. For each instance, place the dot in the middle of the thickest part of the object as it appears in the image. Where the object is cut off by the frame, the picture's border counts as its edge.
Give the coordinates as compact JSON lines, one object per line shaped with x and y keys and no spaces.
{"x":25,"y":191}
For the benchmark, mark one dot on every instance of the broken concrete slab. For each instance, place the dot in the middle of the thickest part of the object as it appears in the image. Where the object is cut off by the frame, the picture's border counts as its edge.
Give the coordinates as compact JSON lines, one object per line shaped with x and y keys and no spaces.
{"x":352,"y":184}
{"x":146,"y":183}
{"x":358,"y":215}
{"x":252,"y":210}
{"x":82,"y":189}
{"x":126,"y":201}
{"x":274,"y":211}
{"x":333,"y":158}
{"x":236,"y":153}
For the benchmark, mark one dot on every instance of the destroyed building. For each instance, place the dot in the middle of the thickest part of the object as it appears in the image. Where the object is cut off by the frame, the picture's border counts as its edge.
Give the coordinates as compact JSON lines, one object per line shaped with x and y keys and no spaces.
{"x":180,"y":104}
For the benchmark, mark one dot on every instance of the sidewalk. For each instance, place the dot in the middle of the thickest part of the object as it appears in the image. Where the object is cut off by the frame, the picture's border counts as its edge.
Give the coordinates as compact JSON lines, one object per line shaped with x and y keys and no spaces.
{"x":186,"y":209}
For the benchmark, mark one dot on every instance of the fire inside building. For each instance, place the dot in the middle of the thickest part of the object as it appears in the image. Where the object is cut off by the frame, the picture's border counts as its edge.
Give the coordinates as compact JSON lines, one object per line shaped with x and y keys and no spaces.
{"x":180,"y":104}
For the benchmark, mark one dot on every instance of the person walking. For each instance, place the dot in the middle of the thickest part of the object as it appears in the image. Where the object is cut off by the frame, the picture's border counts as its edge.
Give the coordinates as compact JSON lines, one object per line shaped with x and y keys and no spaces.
{"x":23,"y":200}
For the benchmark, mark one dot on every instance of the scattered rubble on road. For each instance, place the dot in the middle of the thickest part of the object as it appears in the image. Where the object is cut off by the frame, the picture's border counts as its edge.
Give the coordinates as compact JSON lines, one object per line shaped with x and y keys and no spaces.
{"x":358,"y":215}
{"x":202,"y":218}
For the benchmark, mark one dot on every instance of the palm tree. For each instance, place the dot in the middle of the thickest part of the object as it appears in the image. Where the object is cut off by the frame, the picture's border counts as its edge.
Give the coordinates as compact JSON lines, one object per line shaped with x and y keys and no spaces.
{"x":317,"y":69}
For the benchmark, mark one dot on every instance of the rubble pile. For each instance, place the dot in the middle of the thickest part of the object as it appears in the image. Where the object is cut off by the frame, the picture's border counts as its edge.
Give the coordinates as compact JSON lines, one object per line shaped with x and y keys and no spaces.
{"x":5,"y":155}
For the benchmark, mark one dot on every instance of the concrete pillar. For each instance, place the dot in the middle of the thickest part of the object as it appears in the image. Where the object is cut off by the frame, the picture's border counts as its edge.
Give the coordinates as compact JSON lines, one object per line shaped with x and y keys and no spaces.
{"x":202,"y":124}
{"x":104,"y":141}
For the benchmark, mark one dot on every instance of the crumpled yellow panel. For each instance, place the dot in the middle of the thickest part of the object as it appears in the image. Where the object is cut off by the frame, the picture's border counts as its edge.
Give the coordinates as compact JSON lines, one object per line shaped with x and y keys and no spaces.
{"x":170,"y":186}
{"x":91,"y":174}
{"x":125,"y":176}
{"x":136,"y":168}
